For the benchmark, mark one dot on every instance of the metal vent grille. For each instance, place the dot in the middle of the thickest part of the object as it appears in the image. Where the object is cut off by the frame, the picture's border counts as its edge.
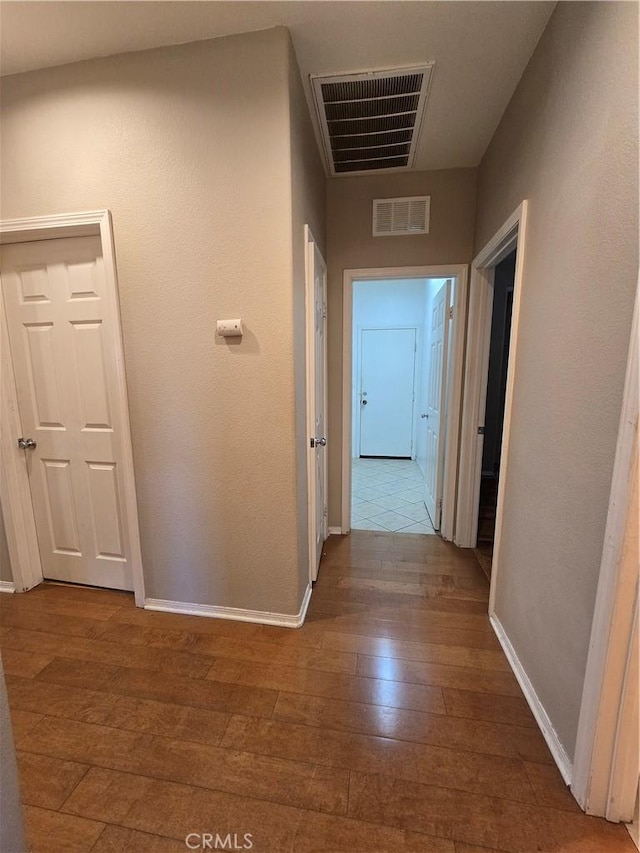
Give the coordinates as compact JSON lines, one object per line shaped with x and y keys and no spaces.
{"x":395,"y":216}
{"x":371,"y":120}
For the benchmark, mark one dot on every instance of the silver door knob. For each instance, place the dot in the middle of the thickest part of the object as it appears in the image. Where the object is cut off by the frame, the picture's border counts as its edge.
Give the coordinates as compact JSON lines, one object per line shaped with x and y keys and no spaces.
{"x":320,"y":442}
{"x":424,"y":415}
{"x":27,"y":444}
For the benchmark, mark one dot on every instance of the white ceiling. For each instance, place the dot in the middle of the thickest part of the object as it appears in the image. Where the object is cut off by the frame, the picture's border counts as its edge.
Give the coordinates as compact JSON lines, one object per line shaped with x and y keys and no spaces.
{"x":480,"y":48}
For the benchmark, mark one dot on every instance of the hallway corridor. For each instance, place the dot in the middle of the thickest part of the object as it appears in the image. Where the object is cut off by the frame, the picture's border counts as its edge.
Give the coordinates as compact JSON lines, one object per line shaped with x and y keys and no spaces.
{"x":389,"y":722}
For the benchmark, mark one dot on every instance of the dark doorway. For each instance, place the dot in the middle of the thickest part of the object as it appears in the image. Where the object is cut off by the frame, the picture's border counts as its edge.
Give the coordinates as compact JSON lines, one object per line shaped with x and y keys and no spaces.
{"x":494,"y":413}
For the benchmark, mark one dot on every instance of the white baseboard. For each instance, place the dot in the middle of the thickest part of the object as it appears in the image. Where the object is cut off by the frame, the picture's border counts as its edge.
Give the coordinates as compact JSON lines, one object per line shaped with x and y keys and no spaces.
{"x":306,"y":598}
{"x":237,"y":614}
{"x":334,"y":531}
{"x":537,"y":708}
{"x":7,"y":586}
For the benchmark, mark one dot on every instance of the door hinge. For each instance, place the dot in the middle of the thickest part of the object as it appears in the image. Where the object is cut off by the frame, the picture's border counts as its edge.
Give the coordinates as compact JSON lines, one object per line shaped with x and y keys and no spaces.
{"x":324,"y":310}
{"x":325,"y":511}
{"x":439,"y":503}
{"x":451,"y":312}
{"x":480,"y":430}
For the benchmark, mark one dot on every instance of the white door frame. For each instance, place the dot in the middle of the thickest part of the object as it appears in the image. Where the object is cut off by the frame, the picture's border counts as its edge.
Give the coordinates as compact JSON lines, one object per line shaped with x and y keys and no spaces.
{"x":452,"y":271}
{"x":17,"y":509}
{"x":606,"y":764}
{"x":417,"y":355}
{"x":509,"y":237}
{"x":311,"y":246}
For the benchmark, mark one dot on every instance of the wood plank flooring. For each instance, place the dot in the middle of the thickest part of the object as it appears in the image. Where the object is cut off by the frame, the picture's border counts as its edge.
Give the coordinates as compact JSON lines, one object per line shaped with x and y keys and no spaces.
{"x":389,"y":722}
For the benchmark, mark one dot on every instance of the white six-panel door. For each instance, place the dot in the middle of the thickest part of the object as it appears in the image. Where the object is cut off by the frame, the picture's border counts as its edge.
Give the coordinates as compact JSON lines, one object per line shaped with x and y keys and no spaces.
{"x":66,"y":349}
{"x":436,"y":402}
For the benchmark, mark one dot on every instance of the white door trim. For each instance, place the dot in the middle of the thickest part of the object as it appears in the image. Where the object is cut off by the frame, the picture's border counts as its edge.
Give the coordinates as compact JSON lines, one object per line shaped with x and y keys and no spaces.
{"x":605,"y":770}
{"x":311,"y":246}
{"x":511,"y":235}
{"x":453,"y":271}
{"x":17,"y":509}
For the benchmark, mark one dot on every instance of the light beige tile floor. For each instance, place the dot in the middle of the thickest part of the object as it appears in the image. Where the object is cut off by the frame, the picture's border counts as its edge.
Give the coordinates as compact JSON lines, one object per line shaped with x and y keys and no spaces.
{"x":388,"y":494}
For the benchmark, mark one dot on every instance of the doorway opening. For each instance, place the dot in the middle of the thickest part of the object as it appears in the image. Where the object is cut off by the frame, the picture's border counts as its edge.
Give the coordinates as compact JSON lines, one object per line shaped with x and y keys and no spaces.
{"x":507,"y":242}
{"x":502,"y":309}
{"x":400,"y":359}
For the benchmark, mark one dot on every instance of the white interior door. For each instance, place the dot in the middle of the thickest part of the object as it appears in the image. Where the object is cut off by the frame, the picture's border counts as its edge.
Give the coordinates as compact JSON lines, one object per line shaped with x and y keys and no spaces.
{"x":317,"y":402}
{"x":436,"y":403}
{"x":387,"y":379}
{"x":67,"y":360}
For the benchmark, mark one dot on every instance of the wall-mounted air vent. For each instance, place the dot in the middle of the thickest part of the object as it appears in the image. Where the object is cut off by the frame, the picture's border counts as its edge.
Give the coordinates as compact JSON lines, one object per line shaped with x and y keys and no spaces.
{"x":370,"y":121}
{"x":395,"y":216}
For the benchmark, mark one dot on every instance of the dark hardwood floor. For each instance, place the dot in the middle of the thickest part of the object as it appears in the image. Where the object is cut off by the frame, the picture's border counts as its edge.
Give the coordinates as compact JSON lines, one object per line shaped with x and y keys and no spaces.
{"x":390,"y":722}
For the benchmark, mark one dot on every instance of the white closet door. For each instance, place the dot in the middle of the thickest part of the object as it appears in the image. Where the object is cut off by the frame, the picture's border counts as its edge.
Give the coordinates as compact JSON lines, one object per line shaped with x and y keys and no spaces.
{"x":66,"y":351}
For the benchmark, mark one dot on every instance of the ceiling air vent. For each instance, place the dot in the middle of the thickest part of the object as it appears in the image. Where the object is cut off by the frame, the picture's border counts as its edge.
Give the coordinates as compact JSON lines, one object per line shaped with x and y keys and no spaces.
{"x":371,"y":120}
{"x":394,"y":216}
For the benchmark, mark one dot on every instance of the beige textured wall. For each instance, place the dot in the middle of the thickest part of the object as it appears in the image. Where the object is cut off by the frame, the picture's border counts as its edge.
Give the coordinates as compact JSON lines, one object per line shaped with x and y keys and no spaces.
{"x":189,"y":148}
{"x":308,"y":207}
{"x":11,"y":824}
{"x":568,"y":143}
{"x":5,"y":565}
{"x":351,"y":246}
